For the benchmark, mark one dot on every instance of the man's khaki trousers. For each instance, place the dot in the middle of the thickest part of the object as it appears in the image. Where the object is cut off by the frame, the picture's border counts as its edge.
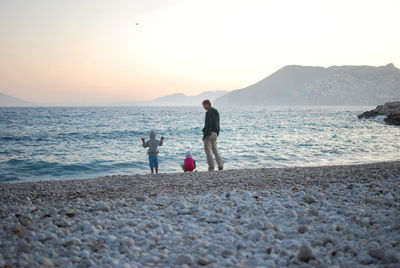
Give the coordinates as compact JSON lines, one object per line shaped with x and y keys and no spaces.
{"x":210,"y":147}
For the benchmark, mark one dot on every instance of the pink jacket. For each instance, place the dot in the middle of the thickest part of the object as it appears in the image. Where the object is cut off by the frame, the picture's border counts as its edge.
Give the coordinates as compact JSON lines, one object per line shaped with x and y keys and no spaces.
{"x":189,"y":164}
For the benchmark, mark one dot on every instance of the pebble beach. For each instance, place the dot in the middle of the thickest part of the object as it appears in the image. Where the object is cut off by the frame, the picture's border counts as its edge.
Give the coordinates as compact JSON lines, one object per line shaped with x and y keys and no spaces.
{"x":327,"y":216}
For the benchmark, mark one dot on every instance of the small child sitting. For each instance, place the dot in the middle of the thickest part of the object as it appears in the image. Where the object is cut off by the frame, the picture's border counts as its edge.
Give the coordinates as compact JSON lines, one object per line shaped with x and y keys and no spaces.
{"x":189,"y":163}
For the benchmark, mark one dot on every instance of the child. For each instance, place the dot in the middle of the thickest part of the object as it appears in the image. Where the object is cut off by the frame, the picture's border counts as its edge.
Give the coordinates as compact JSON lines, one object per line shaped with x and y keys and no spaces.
{"x":189,"y":163}
{"x":153,"y":151}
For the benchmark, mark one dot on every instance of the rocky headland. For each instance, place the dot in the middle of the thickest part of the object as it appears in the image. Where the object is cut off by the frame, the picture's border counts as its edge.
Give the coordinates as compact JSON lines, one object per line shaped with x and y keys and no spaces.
{"x":391,"y":111}
{"x":311,"y":85}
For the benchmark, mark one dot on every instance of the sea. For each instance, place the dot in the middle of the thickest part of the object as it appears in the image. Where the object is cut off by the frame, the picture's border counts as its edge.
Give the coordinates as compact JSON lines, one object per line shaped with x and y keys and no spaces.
{"x":63,"y":143}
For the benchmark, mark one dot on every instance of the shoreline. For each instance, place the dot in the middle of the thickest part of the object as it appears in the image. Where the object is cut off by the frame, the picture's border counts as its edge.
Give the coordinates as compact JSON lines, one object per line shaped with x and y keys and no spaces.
{"x":344,"y":215}
{"x":188,"y":183}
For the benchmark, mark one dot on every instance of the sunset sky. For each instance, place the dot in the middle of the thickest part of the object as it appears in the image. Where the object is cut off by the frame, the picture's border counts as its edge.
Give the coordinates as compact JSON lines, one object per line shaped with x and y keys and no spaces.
{"x":88,"y":52}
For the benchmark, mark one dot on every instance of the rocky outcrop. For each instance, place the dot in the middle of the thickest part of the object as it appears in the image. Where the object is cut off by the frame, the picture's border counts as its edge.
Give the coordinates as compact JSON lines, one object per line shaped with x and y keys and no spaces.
{"x":390,"y":109}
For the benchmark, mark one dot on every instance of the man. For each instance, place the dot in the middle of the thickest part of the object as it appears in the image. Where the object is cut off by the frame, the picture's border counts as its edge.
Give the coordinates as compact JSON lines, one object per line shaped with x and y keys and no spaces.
{"x":210,"y":134}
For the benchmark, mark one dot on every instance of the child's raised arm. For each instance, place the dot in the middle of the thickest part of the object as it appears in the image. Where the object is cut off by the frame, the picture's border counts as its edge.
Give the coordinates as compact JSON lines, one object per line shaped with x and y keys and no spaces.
{"x":161,"y":141}
{"x":145,"y":144}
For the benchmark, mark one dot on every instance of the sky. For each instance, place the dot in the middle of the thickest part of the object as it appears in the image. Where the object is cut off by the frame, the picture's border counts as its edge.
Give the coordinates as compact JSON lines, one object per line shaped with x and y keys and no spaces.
{"x":96,"y":51}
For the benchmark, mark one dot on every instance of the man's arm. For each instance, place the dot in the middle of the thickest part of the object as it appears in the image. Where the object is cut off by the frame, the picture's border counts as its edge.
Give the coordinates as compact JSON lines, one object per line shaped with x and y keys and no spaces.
{"x":207,"y":125}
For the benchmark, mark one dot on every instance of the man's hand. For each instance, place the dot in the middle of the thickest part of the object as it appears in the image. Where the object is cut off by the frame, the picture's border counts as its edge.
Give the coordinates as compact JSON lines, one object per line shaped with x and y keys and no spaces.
{"x":162,"y":137}
{"x":142,"y":139}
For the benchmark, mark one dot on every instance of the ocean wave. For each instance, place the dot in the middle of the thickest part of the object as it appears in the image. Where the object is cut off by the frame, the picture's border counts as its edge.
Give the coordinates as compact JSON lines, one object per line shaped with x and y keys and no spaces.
{"x":15,"y":138}
{"x":43,"y":170}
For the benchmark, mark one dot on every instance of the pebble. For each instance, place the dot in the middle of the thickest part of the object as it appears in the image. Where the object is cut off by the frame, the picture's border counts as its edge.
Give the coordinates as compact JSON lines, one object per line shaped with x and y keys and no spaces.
{"x":70,"y":213}
{"x":184,"y":259}
{"x":308,"y":199}
{"x":72,"y":241}
{"x":292,"y":222}
{"x":306,"y":253}
{"x":102,"y":206}
{"x":391,"y":258}
{"x":377,"y":253}
{"x":46,"y":262}
{"x":312,"y":212}
{"x":24,"y":247}
{"x":140,"y":198}
{"x":204,"y":261}
{"x":365,"y":259}
{"x":226,"y":253}
{"x":304,"y":220}
{"x":328,"y":239}
{"x":302,"y":229}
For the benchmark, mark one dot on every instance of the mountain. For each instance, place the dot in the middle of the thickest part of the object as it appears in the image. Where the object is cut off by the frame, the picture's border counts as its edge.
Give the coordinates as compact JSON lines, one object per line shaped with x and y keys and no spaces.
{"x":335,"y":85}
{"x":180,"y":99}
{"x":6,"y":100}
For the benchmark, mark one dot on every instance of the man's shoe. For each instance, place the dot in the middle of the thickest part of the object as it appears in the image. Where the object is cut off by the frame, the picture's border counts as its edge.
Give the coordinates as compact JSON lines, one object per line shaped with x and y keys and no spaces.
{"x":220,"y":168}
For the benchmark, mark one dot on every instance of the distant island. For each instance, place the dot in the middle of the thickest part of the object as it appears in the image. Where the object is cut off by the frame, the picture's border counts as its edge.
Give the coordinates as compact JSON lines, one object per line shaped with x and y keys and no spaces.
{"x":7,"y":100}
{"x":336,"y":85}
{"x":181,"y":99}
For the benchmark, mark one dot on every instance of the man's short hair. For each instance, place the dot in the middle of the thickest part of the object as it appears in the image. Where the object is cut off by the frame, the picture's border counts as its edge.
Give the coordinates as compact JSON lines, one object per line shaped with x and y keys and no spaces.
{"x":206,"y":102}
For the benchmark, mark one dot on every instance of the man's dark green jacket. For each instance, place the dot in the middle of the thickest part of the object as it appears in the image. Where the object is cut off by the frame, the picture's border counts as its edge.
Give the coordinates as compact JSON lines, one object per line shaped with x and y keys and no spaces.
{"x":211,"y":123}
